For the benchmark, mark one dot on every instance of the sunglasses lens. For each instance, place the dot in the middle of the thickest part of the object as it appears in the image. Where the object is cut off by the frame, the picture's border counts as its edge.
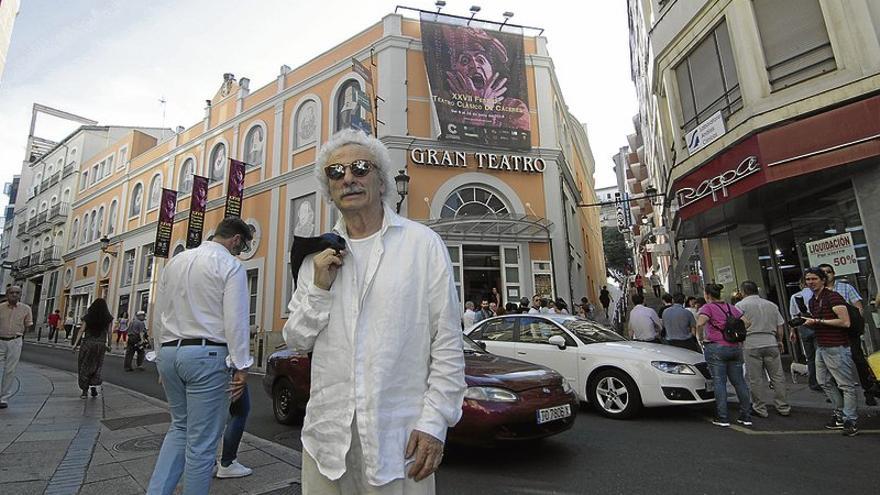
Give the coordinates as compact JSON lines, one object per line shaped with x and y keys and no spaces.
{"x":360,"y":168}
{"x":335,"y":171}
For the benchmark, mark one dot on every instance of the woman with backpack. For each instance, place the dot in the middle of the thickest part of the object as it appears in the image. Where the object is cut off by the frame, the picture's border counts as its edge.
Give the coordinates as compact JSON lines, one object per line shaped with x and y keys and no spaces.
{"x":721,"y":328}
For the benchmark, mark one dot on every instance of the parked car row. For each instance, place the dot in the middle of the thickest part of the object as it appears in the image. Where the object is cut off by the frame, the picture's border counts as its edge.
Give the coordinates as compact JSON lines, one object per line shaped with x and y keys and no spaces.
{"x":527,"y":374}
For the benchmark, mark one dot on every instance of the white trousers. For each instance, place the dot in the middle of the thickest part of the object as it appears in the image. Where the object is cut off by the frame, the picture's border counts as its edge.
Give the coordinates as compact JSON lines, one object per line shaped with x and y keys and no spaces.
{"x":354,"y":480}
{"x":10,"y":352}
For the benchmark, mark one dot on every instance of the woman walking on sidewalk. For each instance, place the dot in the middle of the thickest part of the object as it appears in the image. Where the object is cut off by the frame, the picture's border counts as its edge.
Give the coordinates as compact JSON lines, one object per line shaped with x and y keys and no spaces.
{"x":95,"y":337}
{"x":122,"y":329}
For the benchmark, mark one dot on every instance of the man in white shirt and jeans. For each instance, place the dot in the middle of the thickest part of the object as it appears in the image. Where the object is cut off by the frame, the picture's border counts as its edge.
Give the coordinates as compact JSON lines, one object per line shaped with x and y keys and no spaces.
{"x":201,"y":333}
{"x":384,"y":387}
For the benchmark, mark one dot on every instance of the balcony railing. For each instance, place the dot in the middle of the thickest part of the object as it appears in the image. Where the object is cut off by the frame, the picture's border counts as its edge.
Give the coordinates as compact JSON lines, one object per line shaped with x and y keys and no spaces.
{"x":55,"y":179}
{"x":58,"y":213}
{"x":22,"y":230}
{"x":51,"y":256}
{"x":39,"y":223}
{"x":68,"y":169}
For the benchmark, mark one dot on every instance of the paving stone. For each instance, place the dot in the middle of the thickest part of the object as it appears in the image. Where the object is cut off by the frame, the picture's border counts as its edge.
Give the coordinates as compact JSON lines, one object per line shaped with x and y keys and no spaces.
{"x":24,"y":487}
{"x":50,"y":446}
{"x":47,"y":435}
{"x":123,"y":485}
{"x":256,"y":458}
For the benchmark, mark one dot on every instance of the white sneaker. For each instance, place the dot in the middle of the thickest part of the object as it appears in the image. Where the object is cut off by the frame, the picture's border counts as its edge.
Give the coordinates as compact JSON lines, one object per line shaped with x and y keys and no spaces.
{"x":234,"y":470}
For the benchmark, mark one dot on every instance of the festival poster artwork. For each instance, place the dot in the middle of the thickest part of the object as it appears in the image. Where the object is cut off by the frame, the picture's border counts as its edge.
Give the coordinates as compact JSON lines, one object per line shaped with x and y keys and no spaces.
{"x":235,"y":190}
{"x":198,"y":205}
{"x":478,"y":84}
{"x":167,"y":208}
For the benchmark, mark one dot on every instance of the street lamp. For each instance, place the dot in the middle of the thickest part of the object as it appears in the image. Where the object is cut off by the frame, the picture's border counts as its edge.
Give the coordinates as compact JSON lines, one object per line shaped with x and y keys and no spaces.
{"x":474,"y":9}
{"x":402,"y":183}
{"x":439,"y":4}
{"x":507,"y":15}
{"x":105,"y":244}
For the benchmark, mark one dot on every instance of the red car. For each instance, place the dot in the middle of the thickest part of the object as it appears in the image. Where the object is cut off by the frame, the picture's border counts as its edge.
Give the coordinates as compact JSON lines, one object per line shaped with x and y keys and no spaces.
{"x":507,"y":399}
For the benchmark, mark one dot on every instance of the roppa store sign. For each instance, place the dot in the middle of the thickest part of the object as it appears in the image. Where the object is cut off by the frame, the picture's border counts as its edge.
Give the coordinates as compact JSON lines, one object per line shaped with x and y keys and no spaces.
{"x":491,"y":161}
{"x":837,"y":251}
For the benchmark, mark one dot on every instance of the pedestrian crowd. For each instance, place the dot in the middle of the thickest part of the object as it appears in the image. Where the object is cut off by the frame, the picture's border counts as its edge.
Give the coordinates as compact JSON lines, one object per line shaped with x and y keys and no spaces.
{"x":743,"y":340}
{"x":490,"y":306}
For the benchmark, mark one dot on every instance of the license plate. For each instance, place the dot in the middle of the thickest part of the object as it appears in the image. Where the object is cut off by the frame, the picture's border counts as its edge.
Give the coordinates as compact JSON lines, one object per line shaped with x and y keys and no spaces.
{"x":553,"y":413}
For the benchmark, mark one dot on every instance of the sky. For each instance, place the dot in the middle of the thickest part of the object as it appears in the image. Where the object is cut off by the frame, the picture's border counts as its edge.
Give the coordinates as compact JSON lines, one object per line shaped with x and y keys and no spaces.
{"x":113,"y":60}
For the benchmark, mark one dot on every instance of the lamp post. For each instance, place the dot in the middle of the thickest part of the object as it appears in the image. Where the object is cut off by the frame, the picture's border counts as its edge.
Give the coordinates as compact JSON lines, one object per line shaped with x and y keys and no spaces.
{"x":402,"y":183}
{"x":105,"y":245}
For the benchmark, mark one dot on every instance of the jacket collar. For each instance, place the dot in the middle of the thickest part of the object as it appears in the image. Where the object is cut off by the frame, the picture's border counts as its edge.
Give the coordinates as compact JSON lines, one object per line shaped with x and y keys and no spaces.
{"x":389,"y":219}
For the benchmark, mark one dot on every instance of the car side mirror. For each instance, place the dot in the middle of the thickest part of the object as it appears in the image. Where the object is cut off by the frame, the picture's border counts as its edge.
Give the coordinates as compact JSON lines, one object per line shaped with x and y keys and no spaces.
{"x":481,"y":344}
{"x":558,"y":341}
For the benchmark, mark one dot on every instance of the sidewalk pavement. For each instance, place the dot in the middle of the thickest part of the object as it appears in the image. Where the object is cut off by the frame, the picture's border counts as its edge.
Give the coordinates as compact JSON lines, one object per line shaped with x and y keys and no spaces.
{"x":54,"y":442}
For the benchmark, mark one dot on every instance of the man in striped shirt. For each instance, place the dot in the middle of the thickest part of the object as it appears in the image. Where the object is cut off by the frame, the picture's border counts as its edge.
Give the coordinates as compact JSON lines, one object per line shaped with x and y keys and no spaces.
{"x":835,"y":369}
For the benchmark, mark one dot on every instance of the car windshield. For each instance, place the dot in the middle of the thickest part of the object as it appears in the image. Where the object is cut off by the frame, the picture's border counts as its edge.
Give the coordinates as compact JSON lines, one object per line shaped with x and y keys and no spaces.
{"x":471,"y":346}
{"x":591,"y":332}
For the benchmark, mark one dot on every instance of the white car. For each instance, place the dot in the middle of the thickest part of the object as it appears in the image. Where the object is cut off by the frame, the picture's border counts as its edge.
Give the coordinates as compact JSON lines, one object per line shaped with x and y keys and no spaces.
{"x":617,"y":376}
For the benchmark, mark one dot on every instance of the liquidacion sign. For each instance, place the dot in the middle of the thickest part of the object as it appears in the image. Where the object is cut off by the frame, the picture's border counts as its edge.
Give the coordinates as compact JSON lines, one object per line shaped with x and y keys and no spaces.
{"x":491,"y":161}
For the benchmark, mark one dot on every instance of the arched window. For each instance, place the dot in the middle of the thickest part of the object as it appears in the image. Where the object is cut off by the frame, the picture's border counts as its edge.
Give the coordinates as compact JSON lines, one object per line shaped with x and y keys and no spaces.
{"x":346,"y":104}
{"x":218,"y":163}
{"x":84,"y":234}
{"x":43,"y":206}
{"x":306,"y":124}
{"x":472,"y":201}
{"x":65,"y":196}
{"x":137,"y":199}
{"x":93,"y":230}
{"x":155,"y":192}
{"x":185,"y":181}
{"x":100,"y":223}
{"x":53,"y":201}
{"x":111,"y":217}
{"x":73,"y":234}
{"x":255,"y":146}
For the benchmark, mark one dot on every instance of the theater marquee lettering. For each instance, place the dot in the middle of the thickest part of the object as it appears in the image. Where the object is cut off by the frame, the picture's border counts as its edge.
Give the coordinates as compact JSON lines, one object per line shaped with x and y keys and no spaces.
{"x":490,"y":161}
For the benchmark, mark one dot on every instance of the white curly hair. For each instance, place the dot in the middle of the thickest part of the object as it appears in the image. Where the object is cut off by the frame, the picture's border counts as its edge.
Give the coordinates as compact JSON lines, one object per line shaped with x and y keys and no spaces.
{"x":377,"y":149}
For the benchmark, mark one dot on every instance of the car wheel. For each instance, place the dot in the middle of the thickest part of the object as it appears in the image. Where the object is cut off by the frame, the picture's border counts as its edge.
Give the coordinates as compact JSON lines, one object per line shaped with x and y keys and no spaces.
{"x":614,"y":394}
{"x":283,"y":403}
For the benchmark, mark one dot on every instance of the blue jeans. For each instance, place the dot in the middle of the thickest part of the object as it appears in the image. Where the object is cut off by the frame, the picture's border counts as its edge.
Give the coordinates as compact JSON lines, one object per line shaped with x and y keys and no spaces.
{"x":835,"y":364}
{"x":726,"y":363}
{"x":195,"y":379}
{"x":235,"y":427}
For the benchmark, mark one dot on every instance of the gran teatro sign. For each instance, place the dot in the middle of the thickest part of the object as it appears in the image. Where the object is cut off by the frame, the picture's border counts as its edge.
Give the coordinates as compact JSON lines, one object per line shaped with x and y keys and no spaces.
{"x":491,"y":161}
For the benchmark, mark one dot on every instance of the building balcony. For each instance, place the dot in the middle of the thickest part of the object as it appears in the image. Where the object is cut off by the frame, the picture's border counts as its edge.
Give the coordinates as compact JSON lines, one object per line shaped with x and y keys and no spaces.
{"x":51,"y":257}
{"x":22,"y":232}
{"x":58,"y":213}
{"x":4,"y":252}
{"x":68,"y":169}
{"x":38,"y":223}
{"x":55,"y":179}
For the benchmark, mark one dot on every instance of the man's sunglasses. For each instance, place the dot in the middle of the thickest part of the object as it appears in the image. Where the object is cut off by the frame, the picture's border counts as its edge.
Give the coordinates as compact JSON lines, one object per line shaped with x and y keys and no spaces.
{"x":359,"y":168}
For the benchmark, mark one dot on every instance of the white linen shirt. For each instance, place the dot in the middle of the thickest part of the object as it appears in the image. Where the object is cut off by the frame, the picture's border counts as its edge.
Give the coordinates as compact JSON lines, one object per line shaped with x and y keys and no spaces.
{"x":394,"y":370}
{"x":203,"y":295}
{"x":644,"y":323}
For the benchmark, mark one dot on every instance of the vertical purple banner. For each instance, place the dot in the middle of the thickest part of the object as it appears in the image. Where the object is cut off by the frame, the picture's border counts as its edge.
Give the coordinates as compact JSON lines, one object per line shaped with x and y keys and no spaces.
{"x":167,"y":208}
{"x":197,"y":206}
{"x":235,"y":191}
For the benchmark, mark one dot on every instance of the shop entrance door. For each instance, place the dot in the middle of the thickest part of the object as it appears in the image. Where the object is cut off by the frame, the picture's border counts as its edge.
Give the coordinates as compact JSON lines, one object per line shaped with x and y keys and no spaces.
{"x":482,"y":272}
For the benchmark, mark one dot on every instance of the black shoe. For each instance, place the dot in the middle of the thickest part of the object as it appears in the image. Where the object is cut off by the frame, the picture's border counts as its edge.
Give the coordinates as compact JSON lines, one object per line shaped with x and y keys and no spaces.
{"x":850,"y":429}
{"x":744,"y":422}
{"x":128,"y":369}
{"x":82,"y":395}
{"x":3,"y":405}
{"x":94,"y":392}
{"x":835,"y":423}
{"x":720,"y":422}
{"x":816,"y":388}
{"x":870,"y":400}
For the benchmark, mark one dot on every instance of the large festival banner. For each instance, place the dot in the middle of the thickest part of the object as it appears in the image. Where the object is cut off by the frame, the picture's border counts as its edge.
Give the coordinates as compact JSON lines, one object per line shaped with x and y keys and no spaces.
{"x":198,"y":204}
{"x":167,"y":208}
{"x":235,"y":191}
{"x":478,"y":82}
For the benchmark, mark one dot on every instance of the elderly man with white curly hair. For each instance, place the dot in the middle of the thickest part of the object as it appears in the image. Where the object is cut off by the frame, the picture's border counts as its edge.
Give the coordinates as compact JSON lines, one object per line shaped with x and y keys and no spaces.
{"x":385,"y":385}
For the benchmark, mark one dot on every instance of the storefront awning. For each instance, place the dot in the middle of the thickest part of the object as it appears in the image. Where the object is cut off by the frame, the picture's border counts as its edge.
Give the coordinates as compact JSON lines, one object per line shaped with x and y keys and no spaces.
{"x":490,"y":227}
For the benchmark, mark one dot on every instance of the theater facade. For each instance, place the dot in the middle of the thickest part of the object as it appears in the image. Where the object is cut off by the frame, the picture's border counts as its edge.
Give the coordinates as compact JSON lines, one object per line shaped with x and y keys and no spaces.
{"x":498,"y":174}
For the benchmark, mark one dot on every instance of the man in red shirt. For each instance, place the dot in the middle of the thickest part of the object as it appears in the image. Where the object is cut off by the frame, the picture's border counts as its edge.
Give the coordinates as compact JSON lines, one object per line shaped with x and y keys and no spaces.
{"x":835,"y":369}
{"x":53,"y":320}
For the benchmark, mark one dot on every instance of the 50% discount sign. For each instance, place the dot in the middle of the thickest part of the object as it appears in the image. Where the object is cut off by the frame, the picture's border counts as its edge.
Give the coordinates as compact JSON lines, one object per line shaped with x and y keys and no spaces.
{"x":837,"y":251}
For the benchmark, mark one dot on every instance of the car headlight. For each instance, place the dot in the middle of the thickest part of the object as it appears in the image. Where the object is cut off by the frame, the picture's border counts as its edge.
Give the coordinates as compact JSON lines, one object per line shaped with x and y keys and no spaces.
{"x":674,"y":368}
{"x":490,"y":394}
{"x":566,"y":387}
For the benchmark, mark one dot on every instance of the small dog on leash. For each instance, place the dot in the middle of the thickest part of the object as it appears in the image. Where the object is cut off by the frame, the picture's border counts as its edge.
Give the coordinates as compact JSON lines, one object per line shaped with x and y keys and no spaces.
{"x":798,"y":369}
